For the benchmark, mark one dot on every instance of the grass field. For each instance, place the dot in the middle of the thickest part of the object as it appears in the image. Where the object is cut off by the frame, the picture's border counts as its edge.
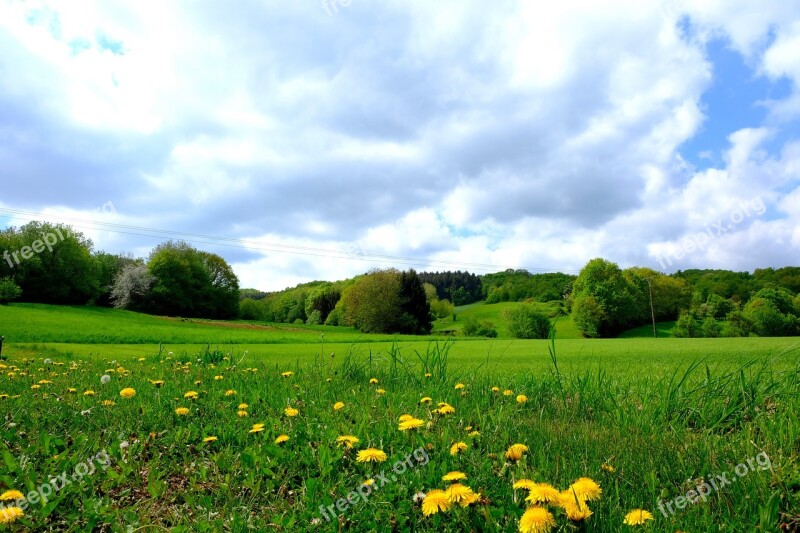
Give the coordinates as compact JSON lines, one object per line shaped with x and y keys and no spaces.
{"x":493,"y":313}
{"x":649,"y":420}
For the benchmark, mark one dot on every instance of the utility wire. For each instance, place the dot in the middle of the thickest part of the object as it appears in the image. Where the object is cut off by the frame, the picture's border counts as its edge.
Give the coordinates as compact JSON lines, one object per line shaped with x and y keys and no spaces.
{"x":265,"y":246}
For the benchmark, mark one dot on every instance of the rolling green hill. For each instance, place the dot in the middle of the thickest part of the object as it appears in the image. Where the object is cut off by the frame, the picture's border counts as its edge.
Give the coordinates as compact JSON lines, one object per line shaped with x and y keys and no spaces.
{"x":565,"y":328}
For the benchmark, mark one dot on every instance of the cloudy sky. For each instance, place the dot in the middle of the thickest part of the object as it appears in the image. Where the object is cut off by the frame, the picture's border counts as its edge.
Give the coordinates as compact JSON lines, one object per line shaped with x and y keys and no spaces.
{"x":316,"y":139}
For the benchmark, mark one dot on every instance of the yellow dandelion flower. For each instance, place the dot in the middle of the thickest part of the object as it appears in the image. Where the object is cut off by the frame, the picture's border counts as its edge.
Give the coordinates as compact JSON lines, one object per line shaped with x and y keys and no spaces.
{"x":230,"y":392}
{"x":373,"y":381}
{"x":371,"y":454}
{"x":243,"y":406}
{"x":575,"y":510}
{"x":338,"y":406}
{"x":369,"y":482}
{"x":474,"y":434}
{"x":198,"y":382}
{"x":218,"y":378}
{"x":435,"y":501}
{"x":428,"y":374}
{"x":10,"y":495}
{"x":157,"y":382}
{"x":608,"y":468}
{"x":425,"y":400}
{"x":446,"y":409}
{"x":287,"y":374}
{"x":241,"y":413}
{"x":458,"y":447}
{"x":411,"y":423}
{"x":515,"y":452}
{"x":109,"y":403}
{"x":454,"y":476}
{"x":405,"y":417}
{"x":536,"y":520}
{"x":291,"y":411}
{"x":586,"y":489}
{"x":459,"y":386}
{"x":524,"y":483}
{"x":495,"y":389}
{"x":210,"y":439}
{"x":637,"y":517}
{"x":458,"y":493}
{"x":380,"y":391}
{"x":182,"y":411}
{"x":522,"y":398}
{"x":69,"y":390}
{"x":127,"y":392}
{"x":89,"y":393}
{"x":35,"y":386}
{"x":10,"y":515}
{"x":191,"y":395}
{"x":347,"y":440}
{"x":281,"y":439}
{"x":508,"y":392}
{"x":257,"y":428}
{"x":543,"y":493}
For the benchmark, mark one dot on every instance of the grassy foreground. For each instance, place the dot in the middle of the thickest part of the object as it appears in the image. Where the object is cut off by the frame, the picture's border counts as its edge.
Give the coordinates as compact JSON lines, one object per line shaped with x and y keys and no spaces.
{"x":646,"y":439}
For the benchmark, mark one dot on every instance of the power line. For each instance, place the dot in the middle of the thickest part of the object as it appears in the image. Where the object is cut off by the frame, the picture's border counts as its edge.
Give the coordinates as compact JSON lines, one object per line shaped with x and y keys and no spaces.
{"x":266,"y":246}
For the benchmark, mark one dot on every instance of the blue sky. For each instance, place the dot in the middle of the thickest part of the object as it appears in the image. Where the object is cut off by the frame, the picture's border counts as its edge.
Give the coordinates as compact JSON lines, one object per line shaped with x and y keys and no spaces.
{"x":316,"y":140}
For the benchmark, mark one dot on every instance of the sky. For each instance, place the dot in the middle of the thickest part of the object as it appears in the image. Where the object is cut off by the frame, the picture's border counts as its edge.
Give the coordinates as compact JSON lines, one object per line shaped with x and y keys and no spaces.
{"x":315,"y":140}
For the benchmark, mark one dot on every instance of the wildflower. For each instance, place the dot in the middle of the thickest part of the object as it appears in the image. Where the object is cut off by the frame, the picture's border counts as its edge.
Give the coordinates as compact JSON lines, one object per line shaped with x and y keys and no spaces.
{"x":459,"y":386}
{"x":435,"y":501}
{"x":373,"y":381}
{"x":637,"y":517}
{"x":10,"y":495}
{"x":585,"y":489}
{"x":89,"y":393}
{"x":347,"y":440}
{"x":428,"y":374}
{"x":411,"y":423}
{"x":210,"y":439}
{"x":127,"y":392}
{"x":508,"y":392}
{"x":446,"y":409}
{"x":380,"y":391}
{"x":36,"y":386}
{"x":474,"y":434}
{"x":291,"y":411}
{"x":458,"y":493}
{"x":543,"y":493}
{"x":368,"y":482}
{"x":454,"y":476}
{"x":575,"y":510}
{"x":10,"y":514}
{"x":287,"y":374}
{"x":191,"y":395}
{"x":522,"y":398}
{"x":608,"y":468}
{"x":523,"y":483}
{"x":257,"y":428}
{"x":425,"y":400}
{"x":281,"y":439}
{"x":241,"y":413}
{"x":243,"y":406}
{"x":371,"y":454}
{"x":458,"y":447}
{"x":181,"y":411}
{"x":495,"y":389}
{"x":515,"y":452}
{"x":536,"y":520}
{"x":218,"y":378}
{"x":405,"y":417}
{"x":230,"y":392}
{"x":338,"y":406}
{"x":109,"y":403}
{"x":105,"y":378}
{"x":157,"y":382}
{"x":5,"y":396}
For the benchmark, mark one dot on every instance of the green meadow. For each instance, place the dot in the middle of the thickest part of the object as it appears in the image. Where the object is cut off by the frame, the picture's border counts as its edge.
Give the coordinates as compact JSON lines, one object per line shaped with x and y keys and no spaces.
{"x":650,"y":421}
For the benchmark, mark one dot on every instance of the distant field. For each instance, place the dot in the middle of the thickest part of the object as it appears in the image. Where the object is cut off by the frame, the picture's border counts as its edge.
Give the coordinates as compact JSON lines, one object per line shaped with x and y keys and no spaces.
{"x":565,"y":328}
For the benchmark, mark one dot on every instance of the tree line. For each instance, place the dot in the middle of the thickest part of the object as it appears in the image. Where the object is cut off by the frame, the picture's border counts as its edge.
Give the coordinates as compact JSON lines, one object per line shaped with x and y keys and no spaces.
{"x":175,"y":279}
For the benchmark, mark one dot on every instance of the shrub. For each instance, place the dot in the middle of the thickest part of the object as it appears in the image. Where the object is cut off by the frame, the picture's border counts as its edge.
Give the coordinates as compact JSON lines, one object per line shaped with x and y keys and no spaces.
{"x":687,"y":326}
{"x":527,"y":322}
{"x":475,"y":328}
{"x":315,"y":318}
{"x":9,"y":290}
